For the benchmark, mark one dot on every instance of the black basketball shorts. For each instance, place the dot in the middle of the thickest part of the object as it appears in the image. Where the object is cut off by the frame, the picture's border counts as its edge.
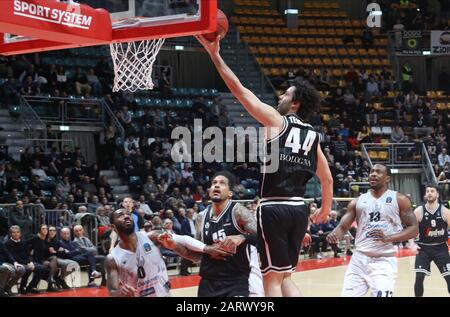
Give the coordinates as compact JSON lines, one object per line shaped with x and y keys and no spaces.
{"x":223,"y":288}
{"x":436,"y":253}
{"x":281,"y":228}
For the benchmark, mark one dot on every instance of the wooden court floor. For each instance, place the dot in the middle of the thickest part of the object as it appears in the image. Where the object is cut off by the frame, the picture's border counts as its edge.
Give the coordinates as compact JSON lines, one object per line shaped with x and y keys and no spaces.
{"x":315,"y":278}
{"x":327,"y":281}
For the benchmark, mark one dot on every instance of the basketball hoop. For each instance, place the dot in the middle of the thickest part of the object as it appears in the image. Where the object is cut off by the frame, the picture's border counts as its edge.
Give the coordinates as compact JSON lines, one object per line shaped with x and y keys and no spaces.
{"x":133,"y":64}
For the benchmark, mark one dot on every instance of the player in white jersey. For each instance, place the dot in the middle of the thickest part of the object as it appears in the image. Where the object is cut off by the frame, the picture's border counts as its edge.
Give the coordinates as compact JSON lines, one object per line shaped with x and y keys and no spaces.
{"x":379,"y":214}
{"x":135,"y":267}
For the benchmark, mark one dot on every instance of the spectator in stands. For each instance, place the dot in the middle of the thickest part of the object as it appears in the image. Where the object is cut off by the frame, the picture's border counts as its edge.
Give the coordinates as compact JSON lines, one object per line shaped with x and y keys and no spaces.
{"x":103,"y":216}
{"x":163,"y":171}
{"x":164,"y":86}
{"x":29,"y":87}
{"x":444,"y":176}
{"x":39,"y":249}
{"x":55,"y":250}
{"x":10,"y":271}
{"x":72,"y":251}
{"x":103,"y":183}
{"x":339,"y":145}
{"x":149,"y":186}
{"x":128,"y":205}
{"x":37,"y":170}
{"x":12,"y":197}
{"x":398,"y":29}
{"x":125,"y":119}
{"x":66,"y":158}
{"x":406,"y":76}
{"x":19,"y":216}
{"x":94,"y":82}
{"x":156,"y":223}
{"x":372,"y":89}
{"x":82,"y":86}
{"x":443,"y":158}
{"x":77,"y":174}
{"x":397,"y":135}
{"x":441,"y":144}
{"x":20,"y":252}
{"x":11,"y":91}
{"x":87,"y":186}
{"x":176,"y":225}
{"x":131,"y":145}
{"x":154,"y":204}
{"x":93,"y":205}
{"x":144,"y":206}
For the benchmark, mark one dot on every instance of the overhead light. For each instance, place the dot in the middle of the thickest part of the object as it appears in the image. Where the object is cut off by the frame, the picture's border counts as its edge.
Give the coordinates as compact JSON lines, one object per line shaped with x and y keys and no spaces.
{"x":394,"y":171}
{"x":64,"y":128}
{"x":291,"y":11}
{"x":426,"y":52}
{"x":375,"y":13}
{"x":179,"y":47}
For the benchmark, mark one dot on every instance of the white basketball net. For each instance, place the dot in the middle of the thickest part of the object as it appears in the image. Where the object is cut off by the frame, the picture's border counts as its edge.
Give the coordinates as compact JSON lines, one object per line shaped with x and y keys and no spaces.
{"x":133,"y":64}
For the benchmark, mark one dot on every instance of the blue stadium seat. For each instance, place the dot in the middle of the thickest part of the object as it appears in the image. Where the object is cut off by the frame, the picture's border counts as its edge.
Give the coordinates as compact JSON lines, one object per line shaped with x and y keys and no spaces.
{"x":250,"y":193}
{"x":134,"y":182}
{"x":24,"y":180}
{"x":47,"y":193}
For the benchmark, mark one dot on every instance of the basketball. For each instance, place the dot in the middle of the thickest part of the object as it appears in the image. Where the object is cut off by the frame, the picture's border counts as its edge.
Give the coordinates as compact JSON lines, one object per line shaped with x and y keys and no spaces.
{"x":222,"y":27}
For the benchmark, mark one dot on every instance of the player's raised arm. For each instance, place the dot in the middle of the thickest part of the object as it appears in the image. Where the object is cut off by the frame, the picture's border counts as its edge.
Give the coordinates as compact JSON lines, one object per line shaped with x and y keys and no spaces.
{"x":326,"y":183}
{"x":168,"y":242}
{"x":263,"y":113}
{"x":344,"y":225}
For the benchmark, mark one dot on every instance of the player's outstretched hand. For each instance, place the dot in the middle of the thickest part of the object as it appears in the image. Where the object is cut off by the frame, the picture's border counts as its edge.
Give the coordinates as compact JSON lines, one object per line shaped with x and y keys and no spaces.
{"x":216,"y":252}
{"x":333,"y":237}
{"x":127,"y":290}
{"x":232,"y":242}
{"x":414,"y":248}
{"x":211,"y":47}
{"x":167,"y":241}
{"x":319,"y":216}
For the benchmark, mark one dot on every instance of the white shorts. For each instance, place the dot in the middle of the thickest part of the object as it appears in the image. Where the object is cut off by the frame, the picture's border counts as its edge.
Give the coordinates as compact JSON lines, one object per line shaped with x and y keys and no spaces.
{"x":375,"y":273}
{"x":255,"y":281}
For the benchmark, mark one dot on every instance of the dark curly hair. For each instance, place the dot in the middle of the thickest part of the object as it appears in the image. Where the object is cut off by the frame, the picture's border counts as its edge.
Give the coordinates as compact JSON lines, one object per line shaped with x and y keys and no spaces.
{"x":309,"y":99}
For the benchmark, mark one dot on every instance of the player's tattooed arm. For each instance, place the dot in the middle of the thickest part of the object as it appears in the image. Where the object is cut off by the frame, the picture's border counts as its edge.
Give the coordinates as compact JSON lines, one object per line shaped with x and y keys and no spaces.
{"x":247,"y":222}
{"x":245,"y":219}
{"x":199,"y":226}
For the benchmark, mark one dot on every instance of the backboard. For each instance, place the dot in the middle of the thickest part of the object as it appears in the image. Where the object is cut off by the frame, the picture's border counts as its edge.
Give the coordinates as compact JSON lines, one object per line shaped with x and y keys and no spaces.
{"x":58,"y":24}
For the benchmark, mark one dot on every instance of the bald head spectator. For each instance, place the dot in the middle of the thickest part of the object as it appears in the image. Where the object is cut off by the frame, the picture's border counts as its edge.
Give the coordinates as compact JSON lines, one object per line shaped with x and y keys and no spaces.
{"x":443,"y":158}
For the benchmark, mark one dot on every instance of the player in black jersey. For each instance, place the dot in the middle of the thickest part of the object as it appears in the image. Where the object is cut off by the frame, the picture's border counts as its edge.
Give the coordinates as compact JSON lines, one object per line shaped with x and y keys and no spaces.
{"x":233,"y":227}
{"x":282,"y":214}
{"x":434,"y":220}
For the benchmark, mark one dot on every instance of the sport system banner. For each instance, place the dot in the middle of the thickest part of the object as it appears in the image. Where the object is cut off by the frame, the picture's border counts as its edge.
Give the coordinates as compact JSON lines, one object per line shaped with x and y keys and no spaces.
{"x":440,"y":42}
{"x":412,"y":42}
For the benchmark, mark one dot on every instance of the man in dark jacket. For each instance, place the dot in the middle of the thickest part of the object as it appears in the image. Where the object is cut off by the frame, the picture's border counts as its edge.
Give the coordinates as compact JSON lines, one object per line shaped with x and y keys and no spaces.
{"x":73,"y":252}
{"x":10,"y":271}
{"x":20,"y":253}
